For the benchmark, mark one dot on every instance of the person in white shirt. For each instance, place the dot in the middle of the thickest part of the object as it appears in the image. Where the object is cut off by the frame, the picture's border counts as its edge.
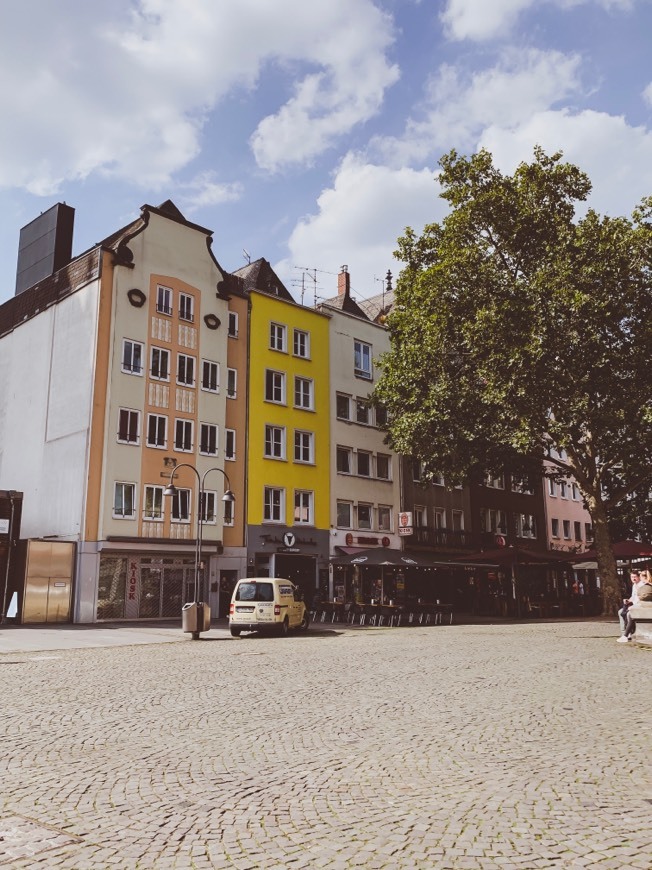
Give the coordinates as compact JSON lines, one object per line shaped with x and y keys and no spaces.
{"x":630,"y":625}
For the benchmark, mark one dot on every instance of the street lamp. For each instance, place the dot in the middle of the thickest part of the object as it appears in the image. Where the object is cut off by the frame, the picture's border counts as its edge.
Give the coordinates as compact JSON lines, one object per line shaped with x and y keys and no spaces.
{"x":227,"y":498}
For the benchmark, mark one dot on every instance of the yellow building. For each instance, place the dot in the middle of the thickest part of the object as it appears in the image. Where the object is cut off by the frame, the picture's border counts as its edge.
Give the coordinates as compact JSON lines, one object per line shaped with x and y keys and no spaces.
{"x":288,"y":513}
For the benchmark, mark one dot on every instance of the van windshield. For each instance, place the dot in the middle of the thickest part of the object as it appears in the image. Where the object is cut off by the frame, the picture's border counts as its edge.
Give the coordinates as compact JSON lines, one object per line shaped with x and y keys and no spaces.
{"x":255,"y":592}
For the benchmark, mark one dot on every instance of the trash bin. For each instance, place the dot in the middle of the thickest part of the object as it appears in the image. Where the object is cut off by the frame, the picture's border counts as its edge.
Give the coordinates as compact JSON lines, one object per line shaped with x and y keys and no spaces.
{"x":195,"y":618}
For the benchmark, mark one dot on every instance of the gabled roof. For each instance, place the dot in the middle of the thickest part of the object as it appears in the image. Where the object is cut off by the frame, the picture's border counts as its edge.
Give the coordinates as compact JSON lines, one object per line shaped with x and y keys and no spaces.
{"x":343,"y":302}
{"x":260,"y":276}
{"x":378,"y":306}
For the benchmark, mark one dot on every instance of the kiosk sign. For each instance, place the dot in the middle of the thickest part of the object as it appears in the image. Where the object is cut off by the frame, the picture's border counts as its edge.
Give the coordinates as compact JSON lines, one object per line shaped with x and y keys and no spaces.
{"x":405,"y":523}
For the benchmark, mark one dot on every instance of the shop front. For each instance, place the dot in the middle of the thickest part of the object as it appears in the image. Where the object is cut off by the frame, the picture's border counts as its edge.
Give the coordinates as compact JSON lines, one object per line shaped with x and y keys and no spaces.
{"x":298,"y":555}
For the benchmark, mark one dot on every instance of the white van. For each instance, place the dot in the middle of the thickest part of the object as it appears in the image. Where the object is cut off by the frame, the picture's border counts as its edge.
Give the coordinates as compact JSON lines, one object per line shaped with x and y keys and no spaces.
{"x":267,"y":604}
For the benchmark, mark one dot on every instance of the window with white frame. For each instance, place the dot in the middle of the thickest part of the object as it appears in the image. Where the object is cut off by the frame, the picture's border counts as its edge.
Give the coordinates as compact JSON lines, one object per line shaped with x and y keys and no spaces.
{"x":208,"y":507}
{"x":208,"y":433}
{"x":303,"y":507}
{"x":303,"y":393}
{"x":497,"y":482}
{"x":186,"y":307}
{"x":164,"y":300}
{"x":128,"y":426}
{"x":231,"y":383}
{"x":301,"y":343}
{"x":419,"y":517}
{"x":567,"y":530}
{"x":229,"y":444}
{"x":383,"y":466}
{"x":384,"y":518}
{"x":133,"y":354}
{"x":575,"y":493}
{"x":362,"y":359}
{"x":157,"y":425}
{"x":578,"y":530}
{"x":210,"y":376}
{"x":304,"y":446}
{"x":274,"y":504}
{"x":343,"y":406}
{"x":344,"y":509}
{"x":229,"y":513}
{"x":159,"y":368}
{"x":153,"y":504}
{"x":183,"y":435}
{"x":554,"y":527}
{"x":232,"y":328}
{"x":277,"y":336}
{"x":274,"y":442}
{"x":344,"y":460}
{"x":186,"y":370}
{"x":526,"y":526}
{"x":438,"y":479}
{"x":275,"y":387}
{"x":440,"y":518}
{"x":552,"y":488}
{"x":588,"y":532}
{"x":364,"y":463}
{"x":181,"y":506}
{"x":124,"y":501}
{"x":362,"y":412}
{"x":563,"y":486}
{"x":492,"y":520}
{"x":458,"y":520}
{"x":365,"y":512}
{"x":521,"y":484}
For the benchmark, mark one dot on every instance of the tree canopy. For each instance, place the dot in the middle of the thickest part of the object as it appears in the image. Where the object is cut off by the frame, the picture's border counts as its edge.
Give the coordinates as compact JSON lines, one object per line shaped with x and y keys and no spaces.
{"x":519,"y":327}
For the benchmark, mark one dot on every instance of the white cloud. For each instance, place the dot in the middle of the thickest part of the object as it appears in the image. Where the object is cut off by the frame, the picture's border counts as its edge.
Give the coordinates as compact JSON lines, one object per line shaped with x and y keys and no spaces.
{"x":358,"y":222}
{"x":205,"y":190}
{"x":459,"y":106}
{"x":647,"y":94}
{"x":481,"y":20}
{"x":125,"y":88}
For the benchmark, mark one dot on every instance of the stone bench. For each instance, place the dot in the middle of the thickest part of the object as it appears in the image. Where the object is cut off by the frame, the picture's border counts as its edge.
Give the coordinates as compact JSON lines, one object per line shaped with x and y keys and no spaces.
{"x":642,"y":614}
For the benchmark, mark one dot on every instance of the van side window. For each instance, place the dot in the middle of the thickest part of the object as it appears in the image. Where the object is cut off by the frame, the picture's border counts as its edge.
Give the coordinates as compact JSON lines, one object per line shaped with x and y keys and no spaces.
{"x":255,"y":592}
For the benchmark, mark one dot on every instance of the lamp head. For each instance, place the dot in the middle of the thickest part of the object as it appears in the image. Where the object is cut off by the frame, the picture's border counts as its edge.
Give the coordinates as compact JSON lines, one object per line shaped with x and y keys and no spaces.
{"x":170,"y":489}
{"x":228,"y":497}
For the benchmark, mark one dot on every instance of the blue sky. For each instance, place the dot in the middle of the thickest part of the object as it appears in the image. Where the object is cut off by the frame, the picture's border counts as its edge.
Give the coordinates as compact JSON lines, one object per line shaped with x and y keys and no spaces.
{"x":308,"y":132}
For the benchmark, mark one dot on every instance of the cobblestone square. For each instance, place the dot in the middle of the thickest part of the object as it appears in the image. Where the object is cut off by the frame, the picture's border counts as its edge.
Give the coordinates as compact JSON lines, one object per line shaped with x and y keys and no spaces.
{"x":473,"y":746}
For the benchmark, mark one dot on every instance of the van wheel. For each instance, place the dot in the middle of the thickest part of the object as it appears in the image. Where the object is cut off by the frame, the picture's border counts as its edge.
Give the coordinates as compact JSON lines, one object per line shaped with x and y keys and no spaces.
{"x":305,"y":622}
{"x":285,"y":627}
{"x":235,"y":632}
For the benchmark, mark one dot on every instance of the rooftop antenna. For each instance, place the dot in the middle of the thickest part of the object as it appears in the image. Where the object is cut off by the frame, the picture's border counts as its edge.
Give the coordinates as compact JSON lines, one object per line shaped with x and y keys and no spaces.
{"x":247,"y":256}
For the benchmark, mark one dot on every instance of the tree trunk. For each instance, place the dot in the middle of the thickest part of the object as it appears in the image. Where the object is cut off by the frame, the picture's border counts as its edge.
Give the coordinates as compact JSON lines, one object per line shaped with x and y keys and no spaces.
{"x":609,"y":581}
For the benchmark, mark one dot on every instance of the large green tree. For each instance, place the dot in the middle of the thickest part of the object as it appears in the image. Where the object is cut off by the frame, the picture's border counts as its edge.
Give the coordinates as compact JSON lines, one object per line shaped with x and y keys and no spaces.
{"x":521,"y":330}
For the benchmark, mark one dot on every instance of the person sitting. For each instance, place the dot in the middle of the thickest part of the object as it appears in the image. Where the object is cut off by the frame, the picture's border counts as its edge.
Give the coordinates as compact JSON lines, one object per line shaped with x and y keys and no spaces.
{"x":633,"y":601}
{"x":622,"y":613}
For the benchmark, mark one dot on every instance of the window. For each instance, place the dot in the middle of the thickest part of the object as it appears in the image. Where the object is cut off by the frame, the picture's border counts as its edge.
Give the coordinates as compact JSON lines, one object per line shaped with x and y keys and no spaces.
{"x":417,"y":470}
{"x":277,"y":334}
{"x":578,"y":530}
{"x":186,"y":307}
{"x":554,"y":527}
{"x":381,"y":416}
{"x":160,"y":366}
{"x":303,"y":507}
{"x":274,"y":442}
{"x":344,"y":460}
{"x":304,"y":446}
{"x":364,"y":463}
{"x":133,"y":353}
{"x":567,"y":530}
{"x":562,"y":489}
{"x":232,"y":328}
{"x":181,"y":506}
{"x":384,"y":518}
{"x":343,"y":407}
{"x":303,"y":393}
{"x":575,"y":493}
{"x":495,"y":482}
{"x":383,"y":465}
{"x":164,"y":300}
{"x":157,"y":426}
{"x":588,"y":532}
{"x":231,"y":383}
{"x":362,"y":359}
{"x":275,"y":387}
{"x":208,"y":439}
{"x":364,"y":516}
{"x":344,"y":514}
{"x":458,"y":521}
{"x":362,"y":412}
{"x":274,"y":504}
{"x":124,"y":501}
{"x":210,"y":376}
{"x":301,"y":343}
{"x":438,"y":479}
{"x":183,"y":435}
{"x":420,"y":517}
{"x":493,"y":521}
{"x":440,"y":518}
{"x":522,"y":484}
{"x":229,"y":514}
{"x":153,"y":509}
{"x":186,"y":370}
{"x":129,"y":426}
{"x":552,"y":488}
{"x":229,"y":443}
{"x":526,"y":526}
{"x":208,"y":507}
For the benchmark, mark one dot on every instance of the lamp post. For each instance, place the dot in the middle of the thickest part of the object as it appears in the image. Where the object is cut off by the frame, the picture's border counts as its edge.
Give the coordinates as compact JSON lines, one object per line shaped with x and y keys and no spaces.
{"x":227,"y":498}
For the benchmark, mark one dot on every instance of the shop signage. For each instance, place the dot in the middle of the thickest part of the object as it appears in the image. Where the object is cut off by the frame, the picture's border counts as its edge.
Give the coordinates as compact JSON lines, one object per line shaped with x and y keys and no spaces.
{"x":133,"y":588}
{"x":289,"y":539}
{"x":405,"y":523}
{"x":362,"y":540}
{"x":407,"y":530}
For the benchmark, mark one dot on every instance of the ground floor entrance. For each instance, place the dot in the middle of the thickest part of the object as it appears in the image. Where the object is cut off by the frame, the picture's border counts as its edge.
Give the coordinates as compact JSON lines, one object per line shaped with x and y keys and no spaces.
{"x":142,"y":587}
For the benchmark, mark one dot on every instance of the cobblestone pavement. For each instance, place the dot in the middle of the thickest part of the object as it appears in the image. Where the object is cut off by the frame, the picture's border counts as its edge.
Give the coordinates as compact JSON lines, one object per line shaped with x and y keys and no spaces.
{"x":474,"y":746}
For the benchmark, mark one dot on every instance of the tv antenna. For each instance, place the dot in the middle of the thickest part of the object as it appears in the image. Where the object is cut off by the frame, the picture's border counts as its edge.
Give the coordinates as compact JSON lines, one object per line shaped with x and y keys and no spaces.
{"x":247,"y":256}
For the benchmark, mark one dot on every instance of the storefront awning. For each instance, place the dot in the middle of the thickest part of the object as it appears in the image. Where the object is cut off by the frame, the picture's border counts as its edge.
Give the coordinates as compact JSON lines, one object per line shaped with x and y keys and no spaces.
{"x":399,"y":559}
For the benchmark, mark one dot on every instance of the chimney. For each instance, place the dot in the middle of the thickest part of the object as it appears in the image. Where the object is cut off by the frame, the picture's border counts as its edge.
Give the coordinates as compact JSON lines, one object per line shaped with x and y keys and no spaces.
{"x":343,"y":281}
{"x":45,"y":246}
